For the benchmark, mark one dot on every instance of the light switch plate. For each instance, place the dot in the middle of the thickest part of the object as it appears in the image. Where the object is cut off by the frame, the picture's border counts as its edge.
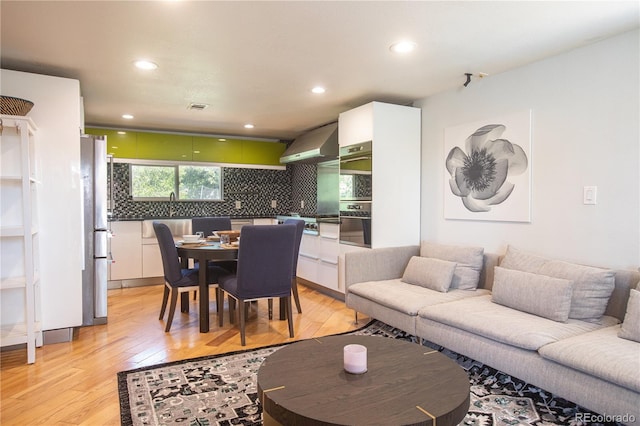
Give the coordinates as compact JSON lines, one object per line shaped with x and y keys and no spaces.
{"x":589,"y":195}
{"x":274,"y":204}
{"x":238,"y":204}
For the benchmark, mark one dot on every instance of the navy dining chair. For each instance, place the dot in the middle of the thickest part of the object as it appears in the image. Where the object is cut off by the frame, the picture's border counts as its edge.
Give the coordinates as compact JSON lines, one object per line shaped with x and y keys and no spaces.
{"x":179,"y":280}
{"x":265,"y":262}
{"x":299,"y":224}
{"x":207,"y":225}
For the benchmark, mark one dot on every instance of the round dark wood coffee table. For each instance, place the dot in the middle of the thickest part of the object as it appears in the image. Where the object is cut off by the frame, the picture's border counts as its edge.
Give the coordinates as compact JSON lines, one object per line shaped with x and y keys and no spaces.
{"x":406,"y":384}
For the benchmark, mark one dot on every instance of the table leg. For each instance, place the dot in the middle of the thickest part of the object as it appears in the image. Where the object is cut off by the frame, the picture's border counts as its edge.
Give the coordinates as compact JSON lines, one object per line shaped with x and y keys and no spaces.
{"x":204,"y":296}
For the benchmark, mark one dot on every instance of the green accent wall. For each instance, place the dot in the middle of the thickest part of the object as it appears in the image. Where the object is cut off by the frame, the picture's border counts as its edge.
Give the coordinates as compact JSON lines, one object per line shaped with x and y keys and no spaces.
{"x":173,"y":147}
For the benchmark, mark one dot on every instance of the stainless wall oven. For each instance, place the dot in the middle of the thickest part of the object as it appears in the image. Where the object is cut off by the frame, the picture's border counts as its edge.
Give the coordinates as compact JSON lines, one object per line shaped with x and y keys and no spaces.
{"x":355,"y":223}
{"x":356,"y":193}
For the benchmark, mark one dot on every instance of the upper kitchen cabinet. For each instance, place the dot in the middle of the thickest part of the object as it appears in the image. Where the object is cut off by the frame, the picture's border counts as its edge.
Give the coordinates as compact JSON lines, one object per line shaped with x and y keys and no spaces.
{"x":236,"y":151}
{"x":394,"y":132}
{"x":163,"y":146}
{"x":257,"y":152}
{"x":356,"y":125}
{"x":120,"y":144}
{"x":184,"y":147}
{"x":214,"y":150}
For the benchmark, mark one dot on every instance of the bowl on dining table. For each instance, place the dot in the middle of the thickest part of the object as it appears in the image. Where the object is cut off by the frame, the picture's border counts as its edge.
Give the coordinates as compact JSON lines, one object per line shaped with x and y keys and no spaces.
{"x":191,"y":238}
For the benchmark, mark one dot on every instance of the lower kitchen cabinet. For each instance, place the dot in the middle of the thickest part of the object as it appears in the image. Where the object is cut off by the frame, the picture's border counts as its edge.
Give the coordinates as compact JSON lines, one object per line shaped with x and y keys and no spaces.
{"x":308,"y":258}
{"x":318,"y":257}
{"x":151,"y":260}
{"x":126,"y":250}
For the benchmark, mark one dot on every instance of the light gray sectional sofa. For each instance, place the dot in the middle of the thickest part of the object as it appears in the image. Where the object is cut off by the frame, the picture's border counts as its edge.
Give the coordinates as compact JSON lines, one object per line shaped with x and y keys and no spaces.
{"x":572,"y":330}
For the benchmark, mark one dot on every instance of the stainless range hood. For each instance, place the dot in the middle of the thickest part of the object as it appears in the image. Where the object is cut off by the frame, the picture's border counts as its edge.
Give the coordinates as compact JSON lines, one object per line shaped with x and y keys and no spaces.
{"x":318,"y":145}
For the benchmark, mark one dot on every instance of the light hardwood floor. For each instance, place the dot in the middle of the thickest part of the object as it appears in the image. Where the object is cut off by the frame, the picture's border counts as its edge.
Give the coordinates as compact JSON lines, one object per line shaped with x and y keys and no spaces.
{"x":74,"y":383}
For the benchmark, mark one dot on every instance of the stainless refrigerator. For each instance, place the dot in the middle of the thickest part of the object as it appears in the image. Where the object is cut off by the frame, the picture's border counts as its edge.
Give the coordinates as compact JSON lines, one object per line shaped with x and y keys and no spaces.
{"x":93,"y":160}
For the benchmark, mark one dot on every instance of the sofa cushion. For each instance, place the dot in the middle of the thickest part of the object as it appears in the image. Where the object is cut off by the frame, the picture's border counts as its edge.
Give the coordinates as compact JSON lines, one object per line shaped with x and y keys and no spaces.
{"x":522,"y":261}
{"x":630,"y":328}
{"x":600,"y":353}
{"x":536,"y":294}
{"x":431,"y":273}
{"x":468,"y":260}
{"x":479,"y":315}
{"x":592,"y":287}
{"x":407,"y":298}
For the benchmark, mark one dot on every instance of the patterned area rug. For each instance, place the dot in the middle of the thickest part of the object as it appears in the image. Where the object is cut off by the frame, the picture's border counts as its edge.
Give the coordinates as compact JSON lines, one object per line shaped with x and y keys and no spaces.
{"x":221,"y":390}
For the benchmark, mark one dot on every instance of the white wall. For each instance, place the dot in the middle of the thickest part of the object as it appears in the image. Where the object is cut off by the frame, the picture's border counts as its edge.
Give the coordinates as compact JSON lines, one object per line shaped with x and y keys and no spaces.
{"x":585,"y":126}
{"x":57,"y":114}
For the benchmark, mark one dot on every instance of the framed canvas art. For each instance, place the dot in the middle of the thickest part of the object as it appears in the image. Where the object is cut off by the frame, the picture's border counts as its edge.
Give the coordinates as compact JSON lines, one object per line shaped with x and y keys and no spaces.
{"x":487,"y":169}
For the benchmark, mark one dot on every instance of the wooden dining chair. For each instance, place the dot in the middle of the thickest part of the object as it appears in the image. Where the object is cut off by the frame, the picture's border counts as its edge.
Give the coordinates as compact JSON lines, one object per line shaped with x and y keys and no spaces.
{"x":177,"y":279}
{"x":265,"y":262}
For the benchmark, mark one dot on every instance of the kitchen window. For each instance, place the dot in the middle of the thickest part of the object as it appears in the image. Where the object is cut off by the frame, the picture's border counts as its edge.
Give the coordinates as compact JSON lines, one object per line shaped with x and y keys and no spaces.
{"x":188,"y":182}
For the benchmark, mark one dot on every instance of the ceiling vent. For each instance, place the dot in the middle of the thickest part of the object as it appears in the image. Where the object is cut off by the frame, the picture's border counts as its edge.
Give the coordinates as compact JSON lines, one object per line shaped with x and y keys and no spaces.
{"x":198,"y":107}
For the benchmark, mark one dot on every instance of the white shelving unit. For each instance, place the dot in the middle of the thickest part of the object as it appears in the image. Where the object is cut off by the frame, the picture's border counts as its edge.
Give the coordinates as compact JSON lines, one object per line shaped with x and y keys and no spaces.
{"x":19,"y":236}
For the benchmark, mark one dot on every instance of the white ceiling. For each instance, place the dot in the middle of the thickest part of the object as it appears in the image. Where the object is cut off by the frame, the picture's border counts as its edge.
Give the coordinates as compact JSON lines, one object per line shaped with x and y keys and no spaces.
{"x":257,"y":61}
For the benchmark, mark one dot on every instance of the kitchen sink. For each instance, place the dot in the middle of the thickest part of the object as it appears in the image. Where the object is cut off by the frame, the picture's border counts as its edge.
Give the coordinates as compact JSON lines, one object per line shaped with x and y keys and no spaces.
{"x":178,"y":227}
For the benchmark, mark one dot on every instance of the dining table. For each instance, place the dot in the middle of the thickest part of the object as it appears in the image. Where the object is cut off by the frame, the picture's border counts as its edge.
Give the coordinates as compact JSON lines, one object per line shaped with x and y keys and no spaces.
{"x":203,"y":252}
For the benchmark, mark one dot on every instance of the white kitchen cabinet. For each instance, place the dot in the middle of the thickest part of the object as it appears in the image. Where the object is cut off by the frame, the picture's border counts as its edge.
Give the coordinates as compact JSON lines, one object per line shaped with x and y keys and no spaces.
{"x":264,"y":221}
{"x":394,"y":131}
{"x":126,"y":250}
{"x":328,"y":253}
{"x":356,"y":125}
{"x":318,"y":257}
{"x":19,"y":236}
{"x":308,"y":258}
{"x":151,"y":260}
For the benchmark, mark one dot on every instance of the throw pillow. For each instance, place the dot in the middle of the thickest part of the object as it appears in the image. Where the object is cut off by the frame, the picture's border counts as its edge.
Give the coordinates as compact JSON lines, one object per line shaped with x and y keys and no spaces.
{"x":592,"y":287}
{"x":468,"y":259}
{"x":434,"y":274}
{"x":522,"y":261}
{"x":532,"y":293}
{"x":630,"y":329}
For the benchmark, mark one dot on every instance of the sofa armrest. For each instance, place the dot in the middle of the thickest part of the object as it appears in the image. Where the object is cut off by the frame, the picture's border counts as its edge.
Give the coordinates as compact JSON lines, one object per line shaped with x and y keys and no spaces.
{"x":377,"y":264}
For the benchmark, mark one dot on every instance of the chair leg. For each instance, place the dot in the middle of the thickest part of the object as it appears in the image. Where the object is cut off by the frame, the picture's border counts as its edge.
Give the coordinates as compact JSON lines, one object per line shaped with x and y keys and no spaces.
{"x":242,"y":305}
{"x":220,"y":305}
{"x":232,"y":309}
{"x":294,"y":290}
{"x":165,"y":298}
{"x":172,"y":308}
{"x":290,"y":316}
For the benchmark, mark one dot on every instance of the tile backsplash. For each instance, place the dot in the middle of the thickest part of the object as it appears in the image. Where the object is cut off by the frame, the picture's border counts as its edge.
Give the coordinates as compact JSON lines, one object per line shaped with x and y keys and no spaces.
{"x":254,"y":188}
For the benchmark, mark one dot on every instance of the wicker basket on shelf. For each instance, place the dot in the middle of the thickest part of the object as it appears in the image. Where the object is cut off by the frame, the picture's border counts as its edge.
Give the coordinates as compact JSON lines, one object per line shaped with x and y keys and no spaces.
{"x":14,"y":106}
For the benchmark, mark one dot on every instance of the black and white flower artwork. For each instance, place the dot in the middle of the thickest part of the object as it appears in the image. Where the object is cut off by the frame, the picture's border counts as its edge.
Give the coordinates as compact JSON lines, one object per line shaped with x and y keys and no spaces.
{"x":487,"y":169}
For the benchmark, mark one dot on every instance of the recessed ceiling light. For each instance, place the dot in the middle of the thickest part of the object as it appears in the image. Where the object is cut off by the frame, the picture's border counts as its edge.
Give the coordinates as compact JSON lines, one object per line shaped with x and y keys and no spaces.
{"x":145,"y":65}
{"x":249,"y":126}
{"x":318,"y":90}
{"x":197,"y":106}
{"x":222,"y":140}
{"x":127,"y":116}
{"x":404,"y":46}
{"x":122,"y":133}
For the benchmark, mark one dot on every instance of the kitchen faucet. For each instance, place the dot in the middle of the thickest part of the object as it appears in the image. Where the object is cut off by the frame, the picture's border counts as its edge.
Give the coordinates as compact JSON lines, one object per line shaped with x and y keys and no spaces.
{"x":172,"y":199}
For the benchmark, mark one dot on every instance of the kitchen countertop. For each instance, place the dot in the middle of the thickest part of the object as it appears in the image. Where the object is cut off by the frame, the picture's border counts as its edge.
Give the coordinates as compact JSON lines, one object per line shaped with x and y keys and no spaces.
{"x":141,"y":218}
